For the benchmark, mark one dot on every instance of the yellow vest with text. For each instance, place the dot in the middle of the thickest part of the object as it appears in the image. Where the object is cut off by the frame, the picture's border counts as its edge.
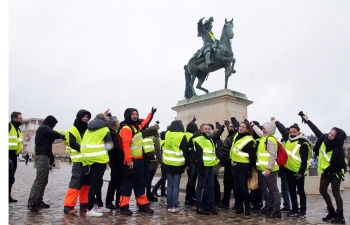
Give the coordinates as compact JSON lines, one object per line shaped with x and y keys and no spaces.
{"x":236,"y":154}
{"x":263,"y":155}
{"x":74,"y":154}
{"x":92,"y":147}
{"x":293,"y":152}
{"x":209,"y":156}
{"x":172,"y":154}
{"x":15,"y":142}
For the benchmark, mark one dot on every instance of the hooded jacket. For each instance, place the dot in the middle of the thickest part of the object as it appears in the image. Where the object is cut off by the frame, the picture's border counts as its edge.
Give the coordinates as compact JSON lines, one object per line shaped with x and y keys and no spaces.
{"x":337,"y":161}
{"x":45,"y":136}
{"x":177,"y":126}
{"x":126,"y":135}
{"x":81,"y":127}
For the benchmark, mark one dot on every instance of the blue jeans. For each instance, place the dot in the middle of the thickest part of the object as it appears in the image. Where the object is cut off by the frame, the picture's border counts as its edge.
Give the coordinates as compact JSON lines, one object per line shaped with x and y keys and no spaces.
{"x":285,"y":189}
{"x":206,"y":180}
{"x":98,"y":171}
{"x":173,"y":189}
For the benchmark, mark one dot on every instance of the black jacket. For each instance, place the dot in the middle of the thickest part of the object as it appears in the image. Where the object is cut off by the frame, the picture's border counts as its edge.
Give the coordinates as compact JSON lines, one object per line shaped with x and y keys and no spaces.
{"x":44,"y":138}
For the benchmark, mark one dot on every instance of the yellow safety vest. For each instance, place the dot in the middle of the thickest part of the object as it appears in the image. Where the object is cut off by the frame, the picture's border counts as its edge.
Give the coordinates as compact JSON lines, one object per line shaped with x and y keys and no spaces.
{"x":236,"y":154}
{"x":148,"y":144}
{"x":293,"y":152}
{"x":74,"y":154}
{"x":209,"y":156}
{"x":15,"y":140}
{"x":92,"y":147}
{"x":324,"y":158}
{"x":172,"y":154}
{"x":263,"y":155}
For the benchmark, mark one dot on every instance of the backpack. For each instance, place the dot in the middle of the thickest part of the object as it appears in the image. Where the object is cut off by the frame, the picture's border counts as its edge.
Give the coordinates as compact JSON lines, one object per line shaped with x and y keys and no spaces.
{"x":282,"y":156}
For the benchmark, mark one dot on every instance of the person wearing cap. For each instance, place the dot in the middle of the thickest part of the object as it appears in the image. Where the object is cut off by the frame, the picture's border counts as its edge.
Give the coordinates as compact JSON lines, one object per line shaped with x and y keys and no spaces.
{"x":266,"y":164}
{"x":331,"y":165}
{"x":44,"y":138}
{"x":79,"y":184}
{"x":15,"y":146}
{"x":130,"y":139}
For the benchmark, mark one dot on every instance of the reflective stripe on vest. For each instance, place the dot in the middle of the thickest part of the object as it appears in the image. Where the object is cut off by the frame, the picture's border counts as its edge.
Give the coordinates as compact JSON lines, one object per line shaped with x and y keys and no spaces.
{"x":294,"y":160}
{"x":209,"y":156}
{"x":323,"y":158}
{"x":15,"y":140}
{"x":136,"y":142}
{"x":236,"y":153}
{"x":92,"y":147}
{"x":148,"y":144}
{"x":263,"y":156}
{"x":172,"y":154}
{"x":74,"y":154}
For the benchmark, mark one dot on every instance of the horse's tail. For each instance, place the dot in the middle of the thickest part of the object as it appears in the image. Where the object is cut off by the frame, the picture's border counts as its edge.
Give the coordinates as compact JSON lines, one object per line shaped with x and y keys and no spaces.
{"x":188,"y":88}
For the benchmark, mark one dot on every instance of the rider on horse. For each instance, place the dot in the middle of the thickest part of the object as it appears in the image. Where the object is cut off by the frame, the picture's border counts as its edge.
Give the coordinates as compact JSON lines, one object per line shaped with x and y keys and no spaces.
{"x":209,"y":41}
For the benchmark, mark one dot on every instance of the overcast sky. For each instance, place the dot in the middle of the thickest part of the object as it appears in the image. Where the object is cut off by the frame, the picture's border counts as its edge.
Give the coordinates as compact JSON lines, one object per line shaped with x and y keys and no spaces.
{"x":69,"y":55}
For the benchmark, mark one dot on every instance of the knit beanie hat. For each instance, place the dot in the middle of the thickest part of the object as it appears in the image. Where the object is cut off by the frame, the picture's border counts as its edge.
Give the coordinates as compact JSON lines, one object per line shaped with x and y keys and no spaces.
{"x":270,"y":127}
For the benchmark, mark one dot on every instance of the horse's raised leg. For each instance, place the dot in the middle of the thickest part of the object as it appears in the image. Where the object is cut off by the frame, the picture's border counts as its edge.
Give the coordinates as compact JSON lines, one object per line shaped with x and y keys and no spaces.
{"x":199,"y":84}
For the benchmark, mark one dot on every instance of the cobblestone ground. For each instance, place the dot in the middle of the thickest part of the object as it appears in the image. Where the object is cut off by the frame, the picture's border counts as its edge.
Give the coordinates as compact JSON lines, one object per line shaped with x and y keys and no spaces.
{"x":57,"y":187}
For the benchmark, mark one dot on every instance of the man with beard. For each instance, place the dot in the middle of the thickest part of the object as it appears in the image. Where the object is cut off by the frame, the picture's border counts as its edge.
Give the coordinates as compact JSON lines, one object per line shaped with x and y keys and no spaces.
{"x":130,"y":139}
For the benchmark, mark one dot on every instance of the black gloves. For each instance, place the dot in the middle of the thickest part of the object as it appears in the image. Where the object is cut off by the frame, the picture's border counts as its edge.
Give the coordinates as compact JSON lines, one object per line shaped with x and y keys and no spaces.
{"x":157,"y":122}
{"x":154,"y":110}
{"x":301,"y":114}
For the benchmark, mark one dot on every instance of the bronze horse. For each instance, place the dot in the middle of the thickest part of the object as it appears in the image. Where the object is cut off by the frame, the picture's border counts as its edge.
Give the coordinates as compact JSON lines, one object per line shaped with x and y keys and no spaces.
{"x":222,"y":57}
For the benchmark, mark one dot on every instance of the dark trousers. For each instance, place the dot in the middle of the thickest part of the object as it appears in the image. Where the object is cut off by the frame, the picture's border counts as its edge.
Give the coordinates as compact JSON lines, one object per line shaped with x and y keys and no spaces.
{"x":134,"y":181}
{"x":98,"y":171}
{"x":240,"y":180}
{"x":114,"y":185}
{"x":325,"y":180}
{"x":217,"y":184}
{"x":149,"y":182}
{"x":228,"y":186}
{"x":295,"y":184}
{"x":13,"y":158}
{"x":42,"y":178}
{"x":161,"y":182}
{"x":146,"y":164}
{"x":191,"y":183}
{"x":206,"y":181}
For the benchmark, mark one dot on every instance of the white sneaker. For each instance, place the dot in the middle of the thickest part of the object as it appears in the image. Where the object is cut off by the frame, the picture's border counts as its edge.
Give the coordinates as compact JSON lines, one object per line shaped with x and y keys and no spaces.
{"x":93,"y":212}
{"x":102,"y":209}
{"x":175,"y":210}
{"x":169,"y":210}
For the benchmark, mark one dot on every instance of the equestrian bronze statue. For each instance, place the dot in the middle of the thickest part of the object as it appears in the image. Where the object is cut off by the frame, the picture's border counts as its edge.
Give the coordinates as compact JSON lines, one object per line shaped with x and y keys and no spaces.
{"x":214,"y":55}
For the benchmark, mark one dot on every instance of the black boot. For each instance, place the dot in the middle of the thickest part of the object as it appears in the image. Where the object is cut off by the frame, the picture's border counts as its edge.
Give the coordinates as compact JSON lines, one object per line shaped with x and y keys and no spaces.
{"x":213,"y":209}
{"x":200,"y":210}
{"x":331,"y":214}
{"x":339,"y":218}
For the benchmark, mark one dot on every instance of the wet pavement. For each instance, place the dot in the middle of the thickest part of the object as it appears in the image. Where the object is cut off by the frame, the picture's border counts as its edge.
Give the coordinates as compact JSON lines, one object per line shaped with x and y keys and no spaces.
{"x":58,"y":184}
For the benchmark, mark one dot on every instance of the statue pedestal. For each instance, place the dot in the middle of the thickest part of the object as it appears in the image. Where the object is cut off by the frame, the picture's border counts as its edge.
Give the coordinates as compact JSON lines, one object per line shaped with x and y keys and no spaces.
{"x":215,"y":105}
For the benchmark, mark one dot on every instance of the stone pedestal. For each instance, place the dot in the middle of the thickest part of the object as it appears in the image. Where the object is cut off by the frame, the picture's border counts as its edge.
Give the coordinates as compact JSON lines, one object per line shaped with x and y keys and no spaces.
{"x":215,"y":105}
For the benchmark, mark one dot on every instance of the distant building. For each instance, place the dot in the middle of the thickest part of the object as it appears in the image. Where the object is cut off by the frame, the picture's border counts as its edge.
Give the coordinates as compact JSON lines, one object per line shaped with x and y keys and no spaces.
{"x":28,"y":128}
